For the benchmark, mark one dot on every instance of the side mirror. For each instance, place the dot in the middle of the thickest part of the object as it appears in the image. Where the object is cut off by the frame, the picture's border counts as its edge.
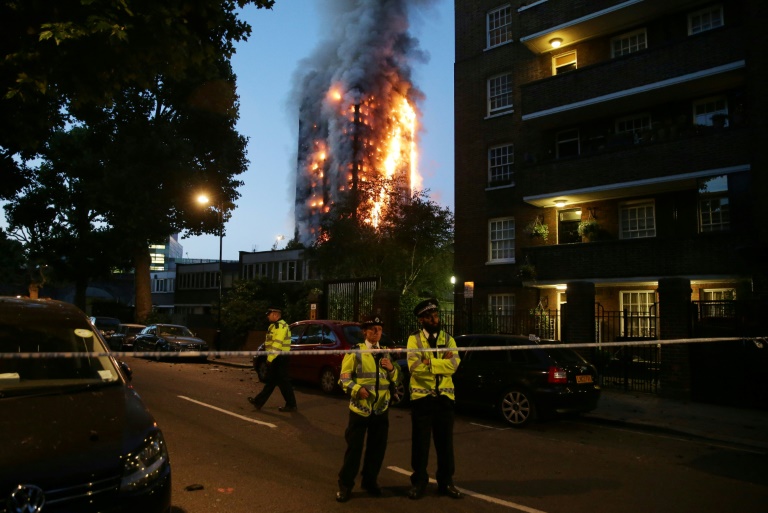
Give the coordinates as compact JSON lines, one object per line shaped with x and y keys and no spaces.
{"x":127,"y":372}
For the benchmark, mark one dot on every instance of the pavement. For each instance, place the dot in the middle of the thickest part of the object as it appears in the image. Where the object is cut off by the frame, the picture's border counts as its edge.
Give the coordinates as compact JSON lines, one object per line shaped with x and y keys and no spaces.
{"x":715,"y":423}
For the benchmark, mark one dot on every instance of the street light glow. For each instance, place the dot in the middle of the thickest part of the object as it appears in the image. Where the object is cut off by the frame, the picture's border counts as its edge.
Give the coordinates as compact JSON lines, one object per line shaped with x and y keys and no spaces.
{"x":203,"y":199}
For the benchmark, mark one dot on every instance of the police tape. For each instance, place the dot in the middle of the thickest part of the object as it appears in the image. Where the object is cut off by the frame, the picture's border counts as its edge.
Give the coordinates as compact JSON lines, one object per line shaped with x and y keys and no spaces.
{"x":759,"y":342}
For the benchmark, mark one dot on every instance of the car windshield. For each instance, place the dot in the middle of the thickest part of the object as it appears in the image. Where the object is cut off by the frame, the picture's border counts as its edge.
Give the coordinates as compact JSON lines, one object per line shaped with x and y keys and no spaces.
{"x":174,"y":331}
{"x":31,"y":356}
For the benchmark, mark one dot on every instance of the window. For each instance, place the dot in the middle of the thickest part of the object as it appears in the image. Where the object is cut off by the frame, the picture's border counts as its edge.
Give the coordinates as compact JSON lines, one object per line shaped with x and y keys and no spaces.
{"x":718,"y":303}
{"x":500,"y":94}
{"x":638,"y":321}
{"x":568,"y":226}
{"x":501,"y":307}
{"x":563,"y":62}
{"x":714,"y":211}
{"x":500,"y":160}
{"x":628,"y":43}
{"x":499,"y":26}
{"x":634,"y":125}
{"x":705,"y":19}
{"x":568,"y":144}
{"x":711,"y":111}
{"x":638,"y":220}
{"x":501,"y":240}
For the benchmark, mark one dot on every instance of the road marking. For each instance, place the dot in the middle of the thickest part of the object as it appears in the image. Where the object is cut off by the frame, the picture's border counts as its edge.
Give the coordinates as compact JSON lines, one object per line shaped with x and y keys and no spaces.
{"x":243,"y":417}
{"x":480,"y":496}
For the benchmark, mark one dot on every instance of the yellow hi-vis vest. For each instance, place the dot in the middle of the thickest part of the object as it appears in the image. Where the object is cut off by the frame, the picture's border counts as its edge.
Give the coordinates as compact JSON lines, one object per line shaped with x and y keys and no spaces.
{"x":278,"y":338}
{"x":433,"y":378}
{"x":361,"y":370}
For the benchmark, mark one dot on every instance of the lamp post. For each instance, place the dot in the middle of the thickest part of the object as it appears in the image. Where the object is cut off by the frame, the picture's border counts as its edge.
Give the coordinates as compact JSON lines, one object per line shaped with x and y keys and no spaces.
{"x":204,"y":200}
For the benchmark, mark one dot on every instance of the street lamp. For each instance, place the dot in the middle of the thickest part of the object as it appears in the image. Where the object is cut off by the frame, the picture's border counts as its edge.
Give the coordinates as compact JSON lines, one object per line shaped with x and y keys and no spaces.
{"x":204,"y":200}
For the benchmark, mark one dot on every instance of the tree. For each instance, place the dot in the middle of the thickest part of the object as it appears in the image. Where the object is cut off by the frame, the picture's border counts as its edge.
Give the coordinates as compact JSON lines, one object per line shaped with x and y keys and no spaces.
{"x":410,"y":248}
{"x":60,"y":57}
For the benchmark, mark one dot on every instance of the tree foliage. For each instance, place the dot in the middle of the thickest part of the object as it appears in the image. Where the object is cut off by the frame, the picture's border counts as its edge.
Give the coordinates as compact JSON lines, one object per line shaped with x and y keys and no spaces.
{"x":410,"y":247}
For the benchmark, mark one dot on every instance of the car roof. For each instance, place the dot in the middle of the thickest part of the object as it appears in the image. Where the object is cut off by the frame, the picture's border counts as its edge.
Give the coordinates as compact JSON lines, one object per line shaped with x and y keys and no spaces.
{"x":130,"y":325}
{"x":28,"y":310}
{"x":326,"y":321}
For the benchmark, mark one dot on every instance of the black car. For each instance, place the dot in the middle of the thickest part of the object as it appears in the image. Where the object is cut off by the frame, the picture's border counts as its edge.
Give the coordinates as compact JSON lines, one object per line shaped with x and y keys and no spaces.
{"x":122,"y":339}
{"x":75,"y":435}
{"x":172,"y":338}
{"x":107,"y":325}
{"x":523,"y":384}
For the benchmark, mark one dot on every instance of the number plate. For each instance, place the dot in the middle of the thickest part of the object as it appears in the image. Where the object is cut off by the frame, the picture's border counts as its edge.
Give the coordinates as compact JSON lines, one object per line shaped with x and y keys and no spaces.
{"x":584,"y":379}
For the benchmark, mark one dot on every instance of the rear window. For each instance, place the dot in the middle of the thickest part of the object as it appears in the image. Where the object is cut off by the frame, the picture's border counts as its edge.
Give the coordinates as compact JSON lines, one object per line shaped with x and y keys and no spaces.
{"x":354,"y":334}
{"x":565,"y":355}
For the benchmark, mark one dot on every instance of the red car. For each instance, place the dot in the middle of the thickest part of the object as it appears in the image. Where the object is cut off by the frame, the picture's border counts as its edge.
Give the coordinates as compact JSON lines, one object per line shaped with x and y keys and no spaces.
{"x":326,"y":337}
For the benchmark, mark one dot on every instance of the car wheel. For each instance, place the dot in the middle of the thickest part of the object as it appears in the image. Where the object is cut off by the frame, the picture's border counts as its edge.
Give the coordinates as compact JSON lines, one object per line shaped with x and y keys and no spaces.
{"x":261,"y":369}
{"x":400,"y":395}
{"x":516,"y":406}
{"x":328,"y":381}
{"x":157,"y":356}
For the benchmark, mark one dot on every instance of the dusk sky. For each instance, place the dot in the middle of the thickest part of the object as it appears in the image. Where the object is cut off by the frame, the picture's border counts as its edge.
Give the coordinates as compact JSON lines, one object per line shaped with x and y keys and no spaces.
{"x":266,"y":67}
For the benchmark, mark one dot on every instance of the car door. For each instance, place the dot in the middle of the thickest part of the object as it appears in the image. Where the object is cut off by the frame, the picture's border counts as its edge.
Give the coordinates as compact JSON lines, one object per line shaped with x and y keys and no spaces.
{"x":308,"y":338}
{"x":481,"y":372}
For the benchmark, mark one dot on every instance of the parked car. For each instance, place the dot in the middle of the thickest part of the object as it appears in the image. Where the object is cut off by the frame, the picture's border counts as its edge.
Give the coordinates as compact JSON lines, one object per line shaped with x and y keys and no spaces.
{"x":107,"y":325}
{"x":169,"y":338}
{"x":122,"y":339}
{"x":329,"y":338}
{"x":523,"y":384}
{"x":76,"y":436}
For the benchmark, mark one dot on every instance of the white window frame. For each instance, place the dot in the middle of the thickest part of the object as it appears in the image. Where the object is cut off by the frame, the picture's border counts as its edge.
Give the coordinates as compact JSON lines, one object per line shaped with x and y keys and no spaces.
{"x":499,"y":92}
{"x":635,"y":125}
{"x":705,"y":109}
{"x":501,"y":304}
{"x":637,"y":220}
{"x":705,"y":19}
{"x":499,"y":240}
{"x":638,"y":302}
{"x":630,"y":42}
{"x":498,"y":26}
{"x":501,"y":159}
{"x":564,"y":59}
{"x":714,"y":217}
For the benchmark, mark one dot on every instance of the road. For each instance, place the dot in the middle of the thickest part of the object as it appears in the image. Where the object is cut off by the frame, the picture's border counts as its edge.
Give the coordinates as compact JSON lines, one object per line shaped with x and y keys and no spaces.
{"x":226,"y":456}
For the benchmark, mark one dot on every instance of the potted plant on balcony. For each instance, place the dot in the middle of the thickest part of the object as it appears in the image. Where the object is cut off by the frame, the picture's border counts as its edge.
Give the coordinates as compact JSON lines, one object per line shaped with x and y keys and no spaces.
{"x":527,"y":271}
{"x":589,"y":229}
{"x":538,"y":229}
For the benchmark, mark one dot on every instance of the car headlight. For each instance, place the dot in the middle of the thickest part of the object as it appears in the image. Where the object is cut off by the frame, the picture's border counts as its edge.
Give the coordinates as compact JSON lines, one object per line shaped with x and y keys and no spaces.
{"x":145,"y":465}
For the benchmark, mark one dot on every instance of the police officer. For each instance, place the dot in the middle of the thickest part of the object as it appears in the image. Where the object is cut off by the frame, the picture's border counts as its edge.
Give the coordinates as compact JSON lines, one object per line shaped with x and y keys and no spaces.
{"x":278,"y":339}
{"x":366,"y":377}
{"x":432,"y":399}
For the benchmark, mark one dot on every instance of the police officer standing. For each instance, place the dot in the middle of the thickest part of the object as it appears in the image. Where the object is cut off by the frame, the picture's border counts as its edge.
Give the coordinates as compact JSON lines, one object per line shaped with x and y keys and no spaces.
{"x":278,"y":339}
{"x":432,"y":398}
{"x":366,"y":377}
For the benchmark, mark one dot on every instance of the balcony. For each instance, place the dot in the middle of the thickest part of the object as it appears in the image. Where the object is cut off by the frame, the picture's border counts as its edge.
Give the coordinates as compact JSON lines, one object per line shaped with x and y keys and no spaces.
{"x":712,"y":254}
{"x":696,"y":66}
{"x":577,"y":21}
{"x":668,"y":161}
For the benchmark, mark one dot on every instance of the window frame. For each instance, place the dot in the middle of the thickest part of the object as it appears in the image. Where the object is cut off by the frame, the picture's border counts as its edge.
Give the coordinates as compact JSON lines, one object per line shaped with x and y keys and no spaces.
{"x":511,"y":240}
{"x":627,"y":36}
{"x":509,"y":161}
{"x":646,"y":322}
{"x":693,"y":30}
{"x":706,"y":117}
{"x":504,"y":34}
{"x":574,"y":62}
{"x":625,"y":208}
{"x":507,"y":93}
{"x":719,"y":194}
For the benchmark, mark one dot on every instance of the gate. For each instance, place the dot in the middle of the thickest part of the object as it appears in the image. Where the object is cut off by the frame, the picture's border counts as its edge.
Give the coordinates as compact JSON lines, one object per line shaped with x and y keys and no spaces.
{"x":348,"y":300}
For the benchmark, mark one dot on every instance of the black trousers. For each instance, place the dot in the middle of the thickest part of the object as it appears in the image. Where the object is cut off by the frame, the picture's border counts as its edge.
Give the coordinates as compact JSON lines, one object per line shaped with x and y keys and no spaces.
{"x":277,"y":376}
{"x":377,"y":428}
{"x":432,"y":416}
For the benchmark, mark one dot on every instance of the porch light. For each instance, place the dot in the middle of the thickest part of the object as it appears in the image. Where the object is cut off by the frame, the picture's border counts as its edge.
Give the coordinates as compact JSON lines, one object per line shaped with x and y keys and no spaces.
{"x":560,"y":203}
{"x":556,"y":42}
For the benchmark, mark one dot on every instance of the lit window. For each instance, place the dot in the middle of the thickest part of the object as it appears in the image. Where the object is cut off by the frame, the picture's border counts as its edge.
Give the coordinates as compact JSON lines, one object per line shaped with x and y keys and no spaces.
{"x":501,"y":304}
{"x":638,"y":220}
{"x":711,"y":111}
{"x":564,"y":62}
{"x":501,"y":240}
{"x":705,"y":19}
{"x":628,"y":43}
{"x":500,"y":94}
{"x":500,"y":160}
{"x":714,"y":210}
{"x":499,"y":26}
{"x":639,"y":319}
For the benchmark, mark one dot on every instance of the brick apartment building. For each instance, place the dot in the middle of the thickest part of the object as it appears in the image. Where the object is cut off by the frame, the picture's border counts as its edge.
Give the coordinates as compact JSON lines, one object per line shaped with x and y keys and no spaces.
{"x":609,"y":152}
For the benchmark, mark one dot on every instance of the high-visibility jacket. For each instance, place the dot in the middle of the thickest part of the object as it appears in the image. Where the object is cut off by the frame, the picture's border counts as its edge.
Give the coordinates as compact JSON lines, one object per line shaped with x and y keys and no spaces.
{"x":435,"y":377}
{"x":361,"y":370}
{"x":278,"y":338}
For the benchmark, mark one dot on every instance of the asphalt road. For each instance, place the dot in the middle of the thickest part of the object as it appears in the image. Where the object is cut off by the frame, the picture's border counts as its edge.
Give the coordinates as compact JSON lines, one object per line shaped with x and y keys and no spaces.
{"x":226,"y":456}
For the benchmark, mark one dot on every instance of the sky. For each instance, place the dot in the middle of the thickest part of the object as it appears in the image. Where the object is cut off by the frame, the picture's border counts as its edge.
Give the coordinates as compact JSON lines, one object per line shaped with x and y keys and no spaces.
{"x":266,"y":67}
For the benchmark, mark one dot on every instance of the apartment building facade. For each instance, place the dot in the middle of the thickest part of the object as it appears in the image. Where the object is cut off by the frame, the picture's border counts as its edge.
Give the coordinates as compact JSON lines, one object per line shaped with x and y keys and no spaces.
{"x":606,"y":147}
